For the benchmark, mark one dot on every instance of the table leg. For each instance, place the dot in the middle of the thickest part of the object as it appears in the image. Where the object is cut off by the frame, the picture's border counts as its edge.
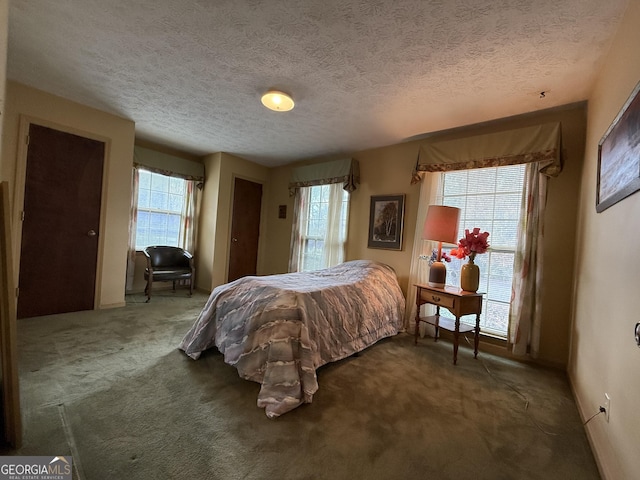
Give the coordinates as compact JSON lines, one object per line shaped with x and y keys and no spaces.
{"x":436,"y":325}
{"x":456,"y":338}
{"x":476,"y":339}
{"x":417,"y":332}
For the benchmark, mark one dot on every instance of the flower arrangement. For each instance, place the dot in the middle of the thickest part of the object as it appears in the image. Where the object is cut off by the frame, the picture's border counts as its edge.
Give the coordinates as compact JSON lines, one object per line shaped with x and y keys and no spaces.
{"x":471,"y":244}
{"x":434,"y":257}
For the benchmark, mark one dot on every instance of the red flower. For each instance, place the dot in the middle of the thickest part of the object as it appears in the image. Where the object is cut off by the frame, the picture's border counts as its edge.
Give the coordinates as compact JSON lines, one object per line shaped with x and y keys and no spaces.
{"x":471,"y":244}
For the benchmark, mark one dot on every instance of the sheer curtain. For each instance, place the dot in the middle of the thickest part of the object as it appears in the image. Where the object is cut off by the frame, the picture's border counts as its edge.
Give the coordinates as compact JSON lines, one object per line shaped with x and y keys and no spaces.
{"x":335,"y":238}
{"x":525,"y":311}
{"x":335,"y":233}
{"x":340,"y":176}
{"x":419,"y":272}
{"x":188,"y":229}
{"x":300,"y":219}
{"x":133,"y":223}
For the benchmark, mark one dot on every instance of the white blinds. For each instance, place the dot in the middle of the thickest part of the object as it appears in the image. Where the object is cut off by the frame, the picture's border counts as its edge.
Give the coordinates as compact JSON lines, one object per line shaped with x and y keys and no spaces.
{"x":489,"y":199}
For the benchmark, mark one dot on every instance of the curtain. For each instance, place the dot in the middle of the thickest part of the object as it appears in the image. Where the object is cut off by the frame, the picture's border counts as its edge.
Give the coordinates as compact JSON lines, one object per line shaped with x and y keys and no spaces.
{"x":526,"y":308}
{"x":300,"y":219}
{"x":419,"y":272}
{"x":346,"y":172}
{"x":540,"y":147}
{"x":340,"y":175}
{"x":188,"y":229}
{"x":540,"y":144}
{"x":335,"y":234}
{"x":335,"y":237}
{"x":165,"y":164}
{"x":133,"y":222}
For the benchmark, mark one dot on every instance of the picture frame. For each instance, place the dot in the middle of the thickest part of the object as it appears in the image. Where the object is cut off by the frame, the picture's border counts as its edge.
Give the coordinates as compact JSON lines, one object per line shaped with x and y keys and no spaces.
{"x":386,"y":222}
{"x":619,"y":155}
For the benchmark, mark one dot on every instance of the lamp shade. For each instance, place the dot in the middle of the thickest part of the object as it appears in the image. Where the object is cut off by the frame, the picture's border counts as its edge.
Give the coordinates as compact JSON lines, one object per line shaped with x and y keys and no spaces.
{"x":441,"y":224}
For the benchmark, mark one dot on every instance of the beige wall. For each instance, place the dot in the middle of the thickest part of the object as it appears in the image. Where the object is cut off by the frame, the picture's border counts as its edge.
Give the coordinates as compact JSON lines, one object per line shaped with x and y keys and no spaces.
{"x":25,"y":104}
{"x":207,"y":222}
{"x":278,"y":233}
{"x":214,"y":229}
{"x":388,"y":171}
{"x":382,"y":171}
{"x":604,"y":356}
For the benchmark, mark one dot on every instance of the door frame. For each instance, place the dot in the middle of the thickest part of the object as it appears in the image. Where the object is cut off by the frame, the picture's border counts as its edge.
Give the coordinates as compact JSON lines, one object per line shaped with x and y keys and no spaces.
{"x":25,"y":123}
{"x":230,"y":223}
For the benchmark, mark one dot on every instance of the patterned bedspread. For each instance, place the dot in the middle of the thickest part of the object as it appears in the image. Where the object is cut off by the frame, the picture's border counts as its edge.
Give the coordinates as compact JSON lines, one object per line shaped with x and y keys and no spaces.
{"x":278,"y":329}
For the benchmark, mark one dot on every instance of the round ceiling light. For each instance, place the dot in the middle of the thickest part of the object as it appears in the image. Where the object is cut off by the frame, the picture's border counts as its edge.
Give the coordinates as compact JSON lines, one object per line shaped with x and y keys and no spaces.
{"x":277,"y":101}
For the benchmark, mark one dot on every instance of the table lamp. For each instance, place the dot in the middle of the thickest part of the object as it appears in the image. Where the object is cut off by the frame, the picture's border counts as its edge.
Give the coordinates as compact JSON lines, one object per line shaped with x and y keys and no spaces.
{"x":441,"y":225}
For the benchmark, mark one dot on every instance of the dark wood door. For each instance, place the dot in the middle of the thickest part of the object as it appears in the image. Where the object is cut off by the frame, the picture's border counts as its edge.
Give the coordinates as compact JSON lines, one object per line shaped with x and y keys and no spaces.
{"x":60,"y":228}
{"x":245,"y":229}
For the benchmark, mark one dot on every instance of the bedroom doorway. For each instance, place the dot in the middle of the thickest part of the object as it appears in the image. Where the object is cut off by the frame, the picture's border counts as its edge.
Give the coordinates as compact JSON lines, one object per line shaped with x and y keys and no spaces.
{"x":245,"y":229}
{"x":60,"y":223}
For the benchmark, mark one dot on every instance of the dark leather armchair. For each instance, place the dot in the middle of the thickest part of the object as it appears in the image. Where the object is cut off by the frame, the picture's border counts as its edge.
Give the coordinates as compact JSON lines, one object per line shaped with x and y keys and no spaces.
{"x":168,"y":264}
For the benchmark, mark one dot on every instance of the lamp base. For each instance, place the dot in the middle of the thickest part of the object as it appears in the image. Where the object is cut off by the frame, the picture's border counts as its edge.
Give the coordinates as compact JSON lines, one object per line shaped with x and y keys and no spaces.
{"x":437,"y":275}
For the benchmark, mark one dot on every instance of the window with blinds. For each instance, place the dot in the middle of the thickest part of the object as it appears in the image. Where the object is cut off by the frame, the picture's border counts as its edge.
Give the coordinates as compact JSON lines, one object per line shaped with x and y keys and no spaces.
{"x":489,"y":199}
{"x":314,"y":230}
{"x":160,"y":204}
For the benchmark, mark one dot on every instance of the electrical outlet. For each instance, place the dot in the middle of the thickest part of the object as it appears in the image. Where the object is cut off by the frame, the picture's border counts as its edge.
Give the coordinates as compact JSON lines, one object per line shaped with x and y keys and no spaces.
{"x":607,"y":406}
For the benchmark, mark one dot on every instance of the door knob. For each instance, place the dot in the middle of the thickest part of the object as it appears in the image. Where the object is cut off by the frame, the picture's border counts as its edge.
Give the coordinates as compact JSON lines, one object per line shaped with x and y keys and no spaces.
{"x":91,"y":233}
{"x":234,"y":240}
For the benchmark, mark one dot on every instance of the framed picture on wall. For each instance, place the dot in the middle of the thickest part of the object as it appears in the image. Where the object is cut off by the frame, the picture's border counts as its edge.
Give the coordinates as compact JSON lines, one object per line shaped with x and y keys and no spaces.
{"x":619,"y":156}
{"x":386,"y":218}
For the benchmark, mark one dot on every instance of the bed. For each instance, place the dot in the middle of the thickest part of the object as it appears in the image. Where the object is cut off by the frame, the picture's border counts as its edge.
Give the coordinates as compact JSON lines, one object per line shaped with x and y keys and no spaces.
{"x":277,"y":330}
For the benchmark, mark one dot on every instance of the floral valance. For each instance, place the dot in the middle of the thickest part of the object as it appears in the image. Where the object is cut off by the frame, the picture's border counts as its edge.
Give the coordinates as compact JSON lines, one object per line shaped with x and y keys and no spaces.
{"x":540,"y":143}
{"x":166,"y":164}
{"x":345,"y":171}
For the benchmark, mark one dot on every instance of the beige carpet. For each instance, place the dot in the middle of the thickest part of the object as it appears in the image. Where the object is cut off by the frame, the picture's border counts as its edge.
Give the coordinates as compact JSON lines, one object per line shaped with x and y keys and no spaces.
{"x":110,"y":388}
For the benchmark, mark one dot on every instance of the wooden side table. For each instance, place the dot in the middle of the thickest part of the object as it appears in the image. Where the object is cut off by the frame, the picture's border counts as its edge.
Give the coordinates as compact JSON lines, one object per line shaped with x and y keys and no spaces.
{"x":459,"y":303}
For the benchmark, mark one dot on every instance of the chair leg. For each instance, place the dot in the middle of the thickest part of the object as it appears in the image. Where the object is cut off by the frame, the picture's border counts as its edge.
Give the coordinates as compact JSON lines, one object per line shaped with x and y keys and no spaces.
{"x":147,"y":289}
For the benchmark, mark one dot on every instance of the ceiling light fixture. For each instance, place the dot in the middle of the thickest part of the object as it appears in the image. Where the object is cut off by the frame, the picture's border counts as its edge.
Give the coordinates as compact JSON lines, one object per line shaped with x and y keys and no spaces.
{"x":277,"y":101}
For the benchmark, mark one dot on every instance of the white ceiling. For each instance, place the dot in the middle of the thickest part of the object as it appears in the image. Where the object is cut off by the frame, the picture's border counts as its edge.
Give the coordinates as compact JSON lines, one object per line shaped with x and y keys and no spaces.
{"x":363,"y":73}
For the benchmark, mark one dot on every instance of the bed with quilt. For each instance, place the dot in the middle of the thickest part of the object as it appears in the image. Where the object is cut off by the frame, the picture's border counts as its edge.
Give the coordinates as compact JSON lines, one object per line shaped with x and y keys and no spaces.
{"x":277,"y":330}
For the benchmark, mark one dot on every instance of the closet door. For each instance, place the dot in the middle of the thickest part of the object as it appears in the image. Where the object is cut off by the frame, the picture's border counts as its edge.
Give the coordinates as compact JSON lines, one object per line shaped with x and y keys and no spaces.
{"x":60,"y":223}
{"x":245,"y":229}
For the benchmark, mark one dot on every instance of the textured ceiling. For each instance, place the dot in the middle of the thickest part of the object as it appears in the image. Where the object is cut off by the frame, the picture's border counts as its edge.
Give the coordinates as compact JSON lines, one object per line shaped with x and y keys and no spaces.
{"x":363,"y":73}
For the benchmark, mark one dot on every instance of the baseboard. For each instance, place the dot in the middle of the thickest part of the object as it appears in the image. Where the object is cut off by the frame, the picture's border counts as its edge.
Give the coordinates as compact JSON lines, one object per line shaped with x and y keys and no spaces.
{"x":112,"y":305}
{"x":603,"y":466}
{"x":498,"y":347}
{"x":164,"y":286}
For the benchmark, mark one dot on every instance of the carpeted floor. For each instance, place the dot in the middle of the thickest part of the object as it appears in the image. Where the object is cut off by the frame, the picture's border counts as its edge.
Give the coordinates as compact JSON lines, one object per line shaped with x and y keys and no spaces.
{"x":110,"y":388}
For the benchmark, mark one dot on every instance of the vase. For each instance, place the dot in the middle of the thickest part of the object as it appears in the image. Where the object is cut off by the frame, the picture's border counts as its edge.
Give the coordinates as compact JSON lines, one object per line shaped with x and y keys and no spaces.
{"x":470,"y":276}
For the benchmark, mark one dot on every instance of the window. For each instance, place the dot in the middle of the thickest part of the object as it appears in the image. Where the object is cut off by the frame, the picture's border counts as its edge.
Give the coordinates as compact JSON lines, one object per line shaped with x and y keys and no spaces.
{"x":322,"y":226}
{"x":489,"y":198}
{"x":161,"y":201}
